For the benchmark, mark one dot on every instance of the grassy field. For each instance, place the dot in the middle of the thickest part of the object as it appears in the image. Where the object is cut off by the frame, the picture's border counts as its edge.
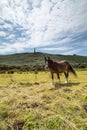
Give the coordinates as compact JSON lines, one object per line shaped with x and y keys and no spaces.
{"x":28,"y":101}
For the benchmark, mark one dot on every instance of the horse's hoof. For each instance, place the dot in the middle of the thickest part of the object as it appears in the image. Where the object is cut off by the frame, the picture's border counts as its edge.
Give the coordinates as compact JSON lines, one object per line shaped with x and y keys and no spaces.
{"x":51,"y":83}
{"x":66,"y":82}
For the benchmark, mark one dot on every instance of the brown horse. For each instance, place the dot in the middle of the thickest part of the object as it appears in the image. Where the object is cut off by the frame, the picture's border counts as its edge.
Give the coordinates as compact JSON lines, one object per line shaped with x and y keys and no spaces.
{"x":59,"y":67}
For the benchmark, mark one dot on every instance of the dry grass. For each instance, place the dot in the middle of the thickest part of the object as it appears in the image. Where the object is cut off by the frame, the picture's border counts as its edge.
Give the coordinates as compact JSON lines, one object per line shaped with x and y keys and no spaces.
{"x":30,"y":102}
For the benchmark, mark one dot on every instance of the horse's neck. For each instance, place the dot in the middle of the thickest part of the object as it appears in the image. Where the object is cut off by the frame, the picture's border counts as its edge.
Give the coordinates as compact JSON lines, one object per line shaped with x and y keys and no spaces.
{"x":50,"y":65}
{"x":53,"y":66}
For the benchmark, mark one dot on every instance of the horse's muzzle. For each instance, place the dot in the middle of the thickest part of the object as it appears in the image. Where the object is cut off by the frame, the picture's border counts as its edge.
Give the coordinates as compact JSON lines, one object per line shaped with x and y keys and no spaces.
{"x":46,"y":67}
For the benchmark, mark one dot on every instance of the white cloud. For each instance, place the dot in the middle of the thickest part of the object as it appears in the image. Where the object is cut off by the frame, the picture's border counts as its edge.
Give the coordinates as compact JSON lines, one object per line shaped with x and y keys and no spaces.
{"x":74,"y":51}
{"x":12,"y":48}
{"x":2,"y":33}
{"x":6,"y":49}
{"x":56,"y":48}
{"x":49,"y":22}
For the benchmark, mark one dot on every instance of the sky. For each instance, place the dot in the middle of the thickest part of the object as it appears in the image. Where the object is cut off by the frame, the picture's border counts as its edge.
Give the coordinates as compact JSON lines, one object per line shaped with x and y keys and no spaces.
{"x":50,"y":26}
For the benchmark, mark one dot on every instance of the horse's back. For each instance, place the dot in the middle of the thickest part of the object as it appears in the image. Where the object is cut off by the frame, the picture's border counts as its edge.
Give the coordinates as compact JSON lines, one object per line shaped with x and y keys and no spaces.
{"x":63,"y":62}
{"x":63,"y":66}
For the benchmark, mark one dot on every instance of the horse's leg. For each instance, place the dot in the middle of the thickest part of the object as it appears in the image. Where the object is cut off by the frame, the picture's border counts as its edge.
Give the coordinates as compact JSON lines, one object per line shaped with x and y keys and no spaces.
{"x":58,"y":77}
{"x":52,"y":78}
{"x":66,"y":75}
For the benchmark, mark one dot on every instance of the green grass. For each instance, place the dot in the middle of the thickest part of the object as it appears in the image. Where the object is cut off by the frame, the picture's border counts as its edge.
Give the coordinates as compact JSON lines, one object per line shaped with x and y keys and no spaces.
{"x":28,"y":101}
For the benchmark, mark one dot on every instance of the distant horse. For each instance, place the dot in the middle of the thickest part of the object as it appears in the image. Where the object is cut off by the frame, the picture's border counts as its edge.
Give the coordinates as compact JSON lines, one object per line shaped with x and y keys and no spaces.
{"x":59,"y":67}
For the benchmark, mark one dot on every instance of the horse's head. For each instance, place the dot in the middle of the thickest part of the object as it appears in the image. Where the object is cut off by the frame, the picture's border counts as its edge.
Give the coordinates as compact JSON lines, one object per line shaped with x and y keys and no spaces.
{"x":48,"y":62}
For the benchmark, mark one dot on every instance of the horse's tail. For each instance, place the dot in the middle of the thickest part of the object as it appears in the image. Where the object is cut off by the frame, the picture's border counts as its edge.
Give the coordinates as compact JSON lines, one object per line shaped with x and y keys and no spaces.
{"x":72,"y":70}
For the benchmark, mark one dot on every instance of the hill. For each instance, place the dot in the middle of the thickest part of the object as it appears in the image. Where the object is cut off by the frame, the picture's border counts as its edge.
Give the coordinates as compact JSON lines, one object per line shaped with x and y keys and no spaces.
{"x":33,"y":60}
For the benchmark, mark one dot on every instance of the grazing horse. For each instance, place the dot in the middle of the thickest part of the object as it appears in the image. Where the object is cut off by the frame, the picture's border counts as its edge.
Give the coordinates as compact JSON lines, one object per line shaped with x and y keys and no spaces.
{"x":59,"y":67}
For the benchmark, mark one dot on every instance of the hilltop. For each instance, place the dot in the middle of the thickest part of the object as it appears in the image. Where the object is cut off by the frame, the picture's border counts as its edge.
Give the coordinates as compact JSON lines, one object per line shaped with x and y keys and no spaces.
{"x":36,"y":60}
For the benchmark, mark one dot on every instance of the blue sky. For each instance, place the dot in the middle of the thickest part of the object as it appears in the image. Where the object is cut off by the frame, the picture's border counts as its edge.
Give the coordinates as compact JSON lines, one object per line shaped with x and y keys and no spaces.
{"x":50,"y":26}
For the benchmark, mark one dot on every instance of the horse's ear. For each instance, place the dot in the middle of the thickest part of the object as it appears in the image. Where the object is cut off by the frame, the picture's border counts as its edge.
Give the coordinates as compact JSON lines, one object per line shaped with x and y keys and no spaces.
{"x":48,"y":58}
{"x":45,"y":58}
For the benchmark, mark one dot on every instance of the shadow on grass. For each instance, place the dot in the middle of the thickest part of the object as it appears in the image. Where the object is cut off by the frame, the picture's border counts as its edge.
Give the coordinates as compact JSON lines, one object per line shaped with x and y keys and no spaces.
{"x":57,"y":85}
{"x":36,"y":83}
{"x":25,"y":84}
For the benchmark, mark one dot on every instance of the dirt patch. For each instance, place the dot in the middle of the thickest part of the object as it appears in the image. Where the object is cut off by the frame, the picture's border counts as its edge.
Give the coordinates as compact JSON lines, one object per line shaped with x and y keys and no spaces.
{"x":85,"y":107}
{"x":18,"y":125}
